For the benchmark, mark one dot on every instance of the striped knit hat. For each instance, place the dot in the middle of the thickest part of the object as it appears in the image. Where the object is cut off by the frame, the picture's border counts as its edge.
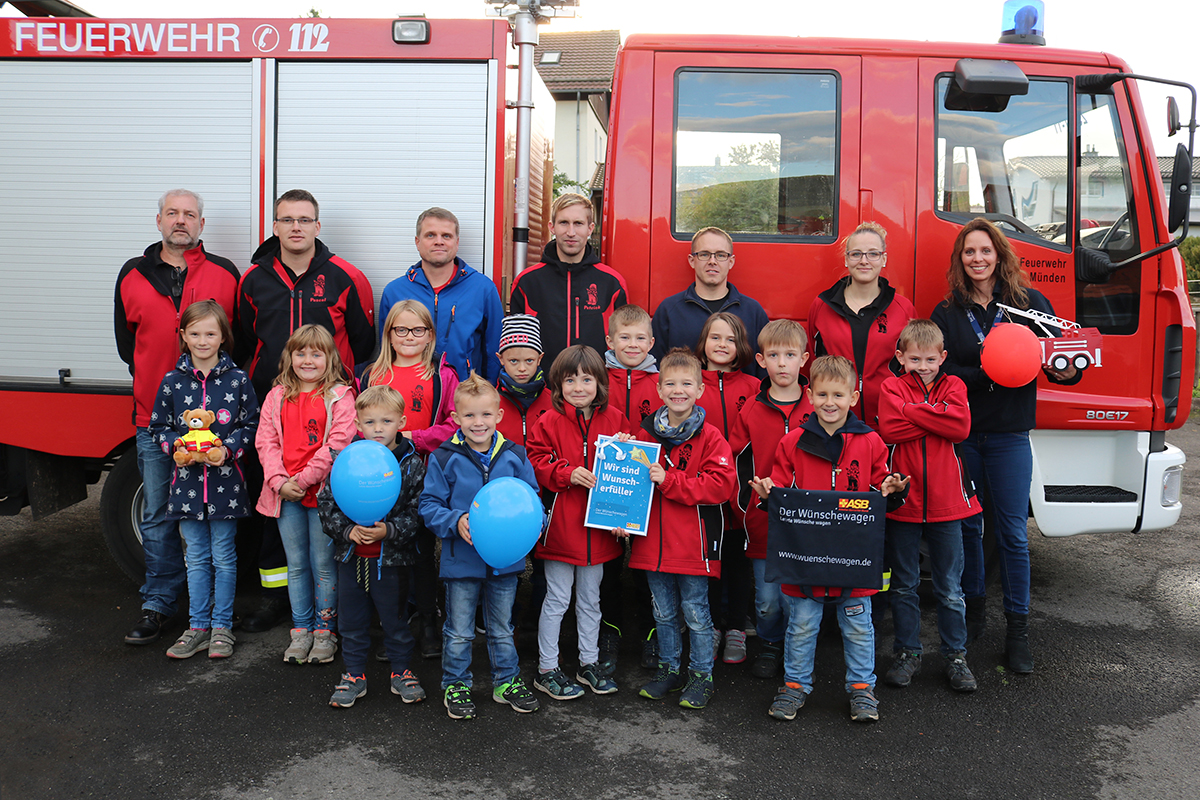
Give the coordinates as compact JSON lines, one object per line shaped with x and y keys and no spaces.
{"x":520,"y":330}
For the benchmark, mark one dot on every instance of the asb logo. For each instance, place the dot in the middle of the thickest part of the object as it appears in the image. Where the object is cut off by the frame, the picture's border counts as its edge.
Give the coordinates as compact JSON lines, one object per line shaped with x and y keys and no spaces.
{"x":854,"y":503}
{"x":266,"y":38}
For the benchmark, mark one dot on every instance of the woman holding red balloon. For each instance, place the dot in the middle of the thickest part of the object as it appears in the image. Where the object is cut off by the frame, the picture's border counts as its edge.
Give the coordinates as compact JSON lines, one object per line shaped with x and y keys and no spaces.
{"x":861,"y":316}
{"x":984,"y":272}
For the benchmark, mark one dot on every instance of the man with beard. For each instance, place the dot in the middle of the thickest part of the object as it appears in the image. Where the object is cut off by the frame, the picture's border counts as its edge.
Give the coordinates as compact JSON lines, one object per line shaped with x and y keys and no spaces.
{"x":152,"y":291}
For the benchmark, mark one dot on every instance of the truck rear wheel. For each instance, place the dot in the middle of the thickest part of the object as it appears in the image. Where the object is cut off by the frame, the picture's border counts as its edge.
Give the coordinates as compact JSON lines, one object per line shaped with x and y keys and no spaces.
{"x":121,"y":514}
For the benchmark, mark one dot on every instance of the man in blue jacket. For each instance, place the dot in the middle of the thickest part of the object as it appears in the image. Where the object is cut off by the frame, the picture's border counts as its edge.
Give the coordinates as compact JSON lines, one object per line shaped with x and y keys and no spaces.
{"x":464,"y":303}
{"x":679,"y":319}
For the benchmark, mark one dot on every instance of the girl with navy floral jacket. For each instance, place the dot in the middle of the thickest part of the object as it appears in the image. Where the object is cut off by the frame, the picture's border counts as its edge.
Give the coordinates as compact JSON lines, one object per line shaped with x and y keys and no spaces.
{"x":207,"y":498}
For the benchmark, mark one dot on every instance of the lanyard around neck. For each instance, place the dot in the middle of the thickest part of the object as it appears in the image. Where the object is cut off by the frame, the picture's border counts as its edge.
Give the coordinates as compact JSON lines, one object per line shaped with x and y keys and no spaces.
{"x":975,"y":322}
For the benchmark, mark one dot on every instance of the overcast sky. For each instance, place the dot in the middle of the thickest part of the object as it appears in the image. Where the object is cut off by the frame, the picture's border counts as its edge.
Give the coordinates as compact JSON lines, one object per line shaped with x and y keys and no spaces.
{"x":1156,"y":37}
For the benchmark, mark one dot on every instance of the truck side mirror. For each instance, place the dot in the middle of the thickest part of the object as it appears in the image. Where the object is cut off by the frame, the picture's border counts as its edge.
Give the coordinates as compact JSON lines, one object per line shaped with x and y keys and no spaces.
{"x":1173,"y":125}
{"x":1180,"y":191}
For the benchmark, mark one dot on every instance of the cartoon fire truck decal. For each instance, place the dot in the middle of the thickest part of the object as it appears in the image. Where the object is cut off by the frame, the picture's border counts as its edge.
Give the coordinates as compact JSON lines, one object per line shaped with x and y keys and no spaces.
{"x":1075,"y":345}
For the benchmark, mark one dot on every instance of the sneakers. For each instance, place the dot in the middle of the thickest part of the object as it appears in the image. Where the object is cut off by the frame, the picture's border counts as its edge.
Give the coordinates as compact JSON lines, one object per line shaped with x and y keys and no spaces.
{"x":324,"y":647}
{"x":788,"y":702}
{"x":610,"y":646}
{"x":665,"y":681}
{"x":699,"y":690}
{"x":906,"y":664}
{"x":349,"y":690}
{"x":458,"y":702}
{"x":516,"y":694}
{"x":220,"y":644}
{"x":959,"y":674}
{"x":768,"y":661}
{"x":735,"y":647}
{"x":594,"y":677}
{"x":716,"y":643}
{"x":191,"y":642}
{"x":407,"y":686}
{"x":556,"y":684}
{"x":297,"y":651}
{"x":863,"y":705}
{"x":650,"y":650}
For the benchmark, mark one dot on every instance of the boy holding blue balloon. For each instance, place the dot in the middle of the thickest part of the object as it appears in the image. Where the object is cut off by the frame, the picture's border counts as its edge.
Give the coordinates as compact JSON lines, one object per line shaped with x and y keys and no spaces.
{"x":457,"y":471}
{"x":374,"y":559}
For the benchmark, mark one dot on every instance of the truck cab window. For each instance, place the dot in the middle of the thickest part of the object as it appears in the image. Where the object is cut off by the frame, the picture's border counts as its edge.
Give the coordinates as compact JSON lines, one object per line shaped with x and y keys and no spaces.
{"x":756,"y":153}
{"x":1010,"y":166}
{"x":1106,"y":218}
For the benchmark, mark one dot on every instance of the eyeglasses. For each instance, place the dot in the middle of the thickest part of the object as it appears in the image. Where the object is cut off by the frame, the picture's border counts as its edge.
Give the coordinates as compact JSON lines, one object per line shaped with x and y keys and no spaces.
{"x":418,"y":332}
{"x":871,"y":255}
{"x":721,"y":256}
{"x":290,"y":221}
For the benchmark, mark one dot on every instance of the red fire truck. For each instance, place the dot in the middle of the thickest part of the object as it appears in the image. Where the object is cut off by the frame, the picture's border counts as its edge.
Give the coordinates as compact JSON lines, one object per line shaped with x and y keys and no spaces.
{"x":786,"y":142}
{"x":379,"y":119}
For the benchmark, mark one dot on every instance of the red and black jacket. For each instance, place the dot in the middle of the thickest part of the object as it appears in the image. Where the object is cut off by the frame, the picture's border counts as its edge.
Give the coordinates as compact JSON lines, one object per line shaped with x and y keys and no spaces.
{"x":557,"y":444}
{"x":518,"y":419}
{"x":332,"y":293}
{"x":633,"y":392}
{"x":756,"y":434}
{"x":867,"y":338}
{"x":686,"y":527}
{"x":146,"y":314}
{"x":922,"y":424}
{"x":725,"y":395}
{"x":571,"y":301}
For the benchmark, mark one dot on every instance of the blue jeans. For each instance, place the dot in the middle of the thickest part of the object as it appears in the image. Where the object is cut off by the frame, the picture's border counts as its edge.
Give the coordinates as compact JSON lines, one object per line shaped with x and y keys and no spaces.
{"x":903,"y":547}
{"x":1003,"y":462}
{"x":312,"y":575}
{"x":363,"y":585}
{"x":689,"y":593}
{"x":770,"y":621}
{"x":858,"y":639}
{"x":211,"y":571}
{"x":458,"y":633}
{"x":165,"y":571}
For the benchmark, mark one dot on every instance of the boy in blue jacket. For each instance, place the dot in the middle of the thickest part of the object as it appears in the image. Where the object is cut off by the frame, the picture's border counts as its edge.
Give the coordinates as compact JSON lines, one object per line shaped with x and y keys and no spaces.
{"x":374,"y":562}
{"x":457,"y":470}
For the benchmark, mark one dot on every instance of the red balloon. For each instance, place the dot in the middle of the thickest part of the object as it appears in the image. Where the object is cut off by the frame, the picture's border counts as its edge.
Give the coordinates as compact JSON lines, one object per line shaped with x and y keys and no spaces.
{"x":1011,"y":355}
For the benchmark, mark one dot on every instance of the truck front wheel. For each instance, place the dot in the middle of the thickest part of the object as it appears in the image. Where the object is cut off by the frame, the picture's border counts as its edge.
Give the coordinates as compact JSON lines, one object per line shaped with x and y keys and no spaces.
{"x":121,"y":514}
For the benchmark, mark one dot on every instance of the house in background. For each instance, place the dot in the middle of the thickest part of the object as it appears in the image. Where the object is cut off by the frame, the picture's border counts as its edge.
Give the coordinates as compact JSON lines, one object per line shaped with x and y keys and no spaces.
{"x":1040,"y":184}
{"x":577,"y":68}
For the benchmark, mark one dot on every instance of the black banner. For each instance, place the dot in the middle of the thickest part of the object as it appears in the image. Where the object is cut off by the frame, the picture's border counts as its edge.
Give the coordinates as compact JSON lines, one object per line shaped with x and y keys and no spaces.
{"x":825,"y":538}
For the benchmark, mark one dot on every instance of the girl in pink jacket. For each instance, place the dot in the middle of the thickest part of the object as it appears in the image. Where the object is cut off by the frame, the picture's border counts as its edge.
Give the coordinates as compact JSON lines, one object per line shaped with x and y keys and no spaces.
{"x":308,"y":411}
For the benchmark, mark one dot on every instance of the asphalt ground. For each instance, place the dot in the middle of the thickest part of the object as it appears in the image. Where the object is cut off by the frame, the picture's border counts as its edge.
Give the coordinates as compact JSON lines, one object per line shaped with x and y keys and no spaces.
{"x":1110,"y":712}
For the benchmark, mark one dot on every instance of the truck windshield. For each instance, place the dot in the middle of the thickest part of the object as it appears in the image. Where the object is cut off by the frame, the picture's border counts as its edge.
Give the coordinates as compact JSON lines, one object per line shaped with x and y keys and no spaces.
{"x":1010,"y":166}
{"x":756,"y":153}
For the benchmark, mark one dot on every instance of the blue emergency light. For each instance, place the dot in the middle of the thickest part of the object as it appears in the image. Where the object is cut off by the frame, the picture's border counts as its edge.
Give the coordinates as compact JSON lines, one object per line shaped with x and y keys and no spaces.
{"x":1023,"y":22}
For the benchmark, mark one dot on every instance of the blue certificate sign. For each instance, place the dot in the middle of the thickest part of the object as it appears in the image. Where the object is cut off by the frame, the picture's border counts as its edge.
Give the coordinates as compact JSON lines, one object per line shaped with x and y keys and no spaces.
{"x":623,"y":492}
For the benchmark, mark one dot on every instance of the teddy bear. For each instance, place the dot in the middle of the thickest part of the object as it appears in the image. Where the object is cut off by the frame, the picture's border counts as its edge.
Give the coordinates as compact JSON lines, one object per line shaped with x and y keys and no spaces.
{"x":199,"y":445}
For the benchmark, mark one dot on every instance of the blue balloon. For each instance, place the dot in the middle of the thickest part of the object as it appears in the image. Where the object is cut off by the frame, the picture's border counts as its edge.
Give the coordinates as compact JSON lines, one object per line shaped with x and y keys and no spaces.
{"x":506,"y":520}
{"x":365,"y":481}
